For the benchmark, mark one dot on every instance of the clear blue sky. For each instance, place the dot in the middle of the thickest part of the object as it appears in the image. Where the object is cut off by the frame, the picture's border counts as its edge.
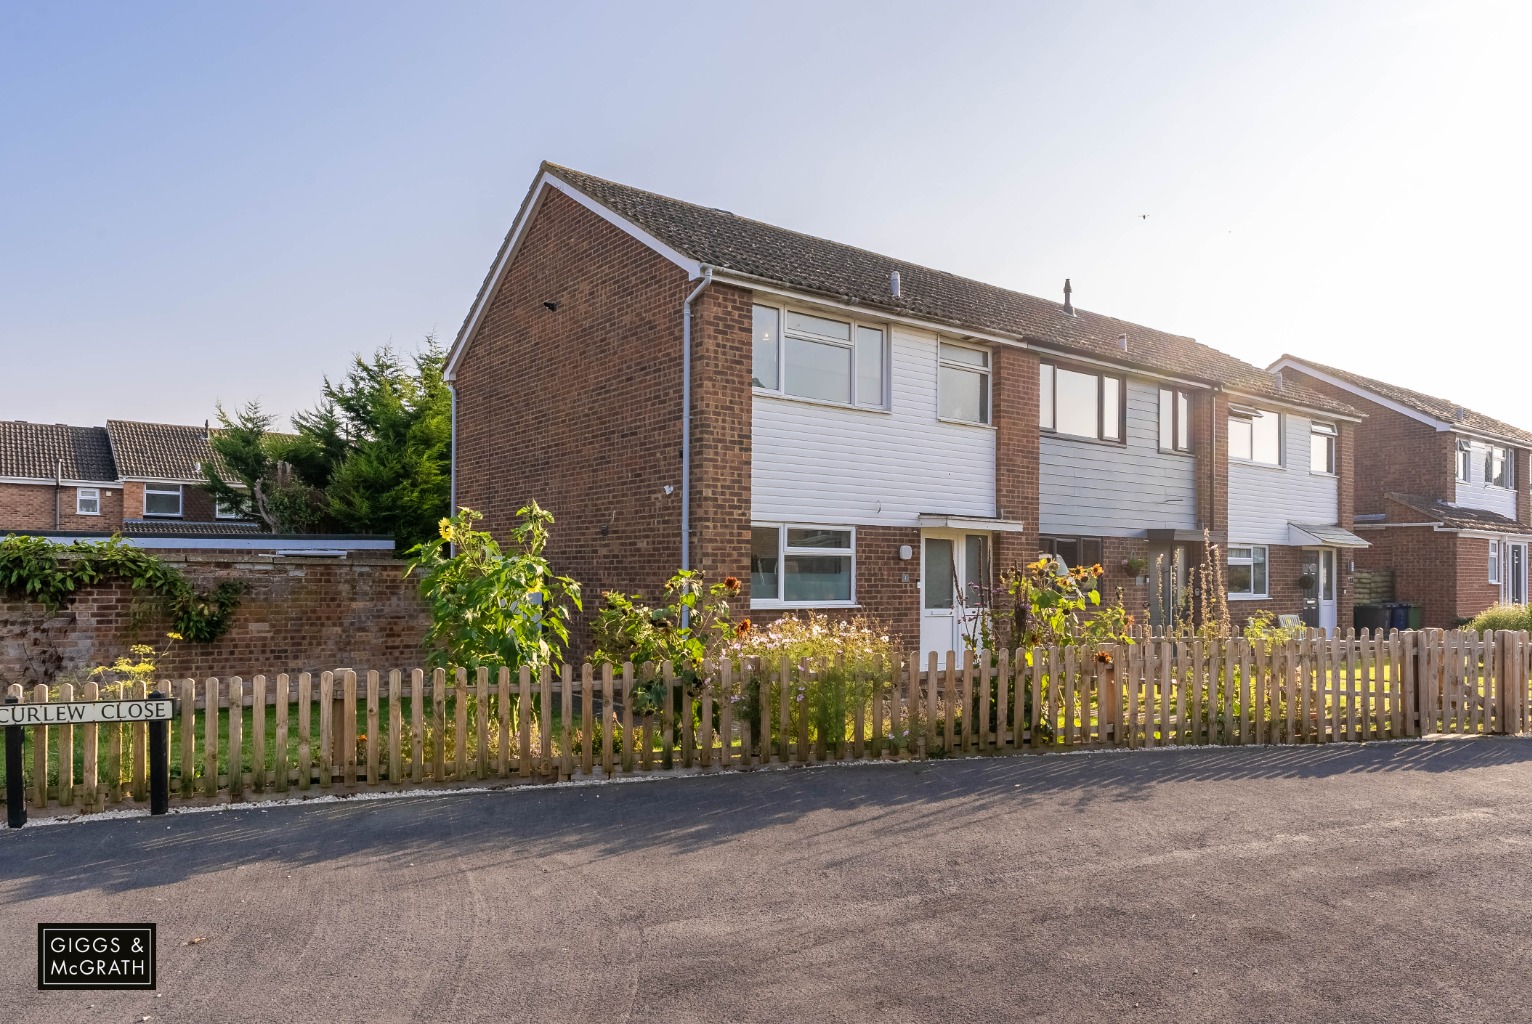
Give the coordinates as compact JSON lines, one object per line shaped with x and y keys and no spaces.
{"x":224,"y":201}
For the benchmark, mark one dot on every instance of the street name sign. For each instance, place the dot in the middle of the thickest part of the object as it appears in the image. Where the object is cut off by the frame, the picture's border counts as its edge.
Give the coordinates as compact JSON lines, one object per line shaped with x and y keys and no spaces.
{"x":77,"y":712}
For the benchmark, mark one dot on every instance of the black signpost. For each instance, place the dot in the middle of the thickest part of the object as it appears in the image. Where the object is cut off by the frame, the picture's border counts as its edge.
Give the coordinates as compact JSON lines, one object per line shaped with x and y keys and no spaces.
{"x":156,"y":712}
{"x":15,"y":793}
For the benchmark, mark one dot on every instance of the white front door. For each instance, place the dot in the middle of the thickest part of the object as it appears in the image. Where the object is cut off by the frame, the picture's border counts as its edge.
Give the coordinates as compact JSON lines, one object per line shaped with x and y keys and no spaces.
{"x":954,"y":584}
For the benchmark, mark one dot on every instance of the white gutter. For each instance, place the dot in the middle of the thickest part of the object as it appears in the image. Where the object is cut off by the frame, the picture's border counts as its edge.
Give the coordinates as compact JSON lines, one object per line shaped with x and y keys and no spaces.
{"x":686,"y":423}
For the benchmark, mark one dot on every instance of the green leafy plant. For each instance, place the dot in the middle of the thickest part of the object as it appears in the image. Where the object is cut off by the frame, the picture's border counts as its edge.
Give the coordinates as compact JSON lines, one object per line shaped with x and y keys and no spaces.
{"x":1264,"y":629}
{"x":494,"y":607}
{"x":139,"y":665}
{"x":693,"y":622}
{"x":50,"y":574}
{"x":1513,"y":617}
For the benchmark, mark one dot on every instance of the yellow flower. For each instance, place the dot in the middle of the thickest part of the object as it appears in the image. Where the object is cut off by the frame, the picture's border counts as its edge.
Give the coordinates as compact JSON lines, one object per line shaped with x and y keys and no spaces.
{"x":174,"y":636}
{"x":445,"y":528}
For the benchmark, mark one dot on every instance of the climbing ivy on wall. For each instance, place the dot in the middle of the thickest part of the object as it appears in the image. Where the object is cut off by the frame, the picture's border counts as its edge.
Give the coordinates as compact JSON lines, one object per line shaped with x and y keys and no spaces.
{"x":36,"y":569}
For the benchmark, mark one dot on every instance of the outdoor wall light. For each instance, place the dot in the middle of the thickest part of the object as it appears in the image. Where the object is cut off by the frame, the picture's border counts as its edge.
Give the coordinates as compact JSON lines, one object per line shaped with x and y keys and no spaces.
{"x":906,"y":552}
{"x":552,"y":307}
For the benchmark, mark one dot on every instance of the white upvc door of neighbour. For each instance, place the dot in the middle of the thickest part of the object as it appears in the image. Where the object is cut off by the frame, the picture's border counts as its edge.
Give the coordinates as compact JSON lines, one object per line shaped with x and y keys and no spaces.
{"x":954,"y":583}
{"x":1319,"y":591}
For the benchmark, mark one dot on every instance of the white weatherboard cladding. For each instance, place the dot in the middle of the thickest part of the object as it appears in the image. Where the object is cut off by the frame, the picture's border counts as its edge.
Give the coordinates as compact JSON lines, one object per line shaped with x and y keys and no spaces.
{"x":1111,"y":490}
{"x":1264,"y":499}
{"x":820,"y":463}
{"x":1476,"y":493}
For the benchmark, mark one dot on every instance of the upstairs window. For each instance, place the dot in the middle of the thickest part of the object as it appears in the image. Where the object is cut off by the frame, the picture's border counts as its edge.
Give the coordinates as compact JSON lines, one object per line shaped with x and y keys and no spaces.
{"x":162,"y":499}
{"x":1465,"y":461}
{"x":819,"y":358}
{"x":1080,"y":404}
{"x":1255,"y":436}
{"x":224,"y":510}
{"x":87,"y":501}
{"x":1322,"y":448}
{"x":1499,"y":467}
{"x":962,"y":383}
{"x":1175,"y":420}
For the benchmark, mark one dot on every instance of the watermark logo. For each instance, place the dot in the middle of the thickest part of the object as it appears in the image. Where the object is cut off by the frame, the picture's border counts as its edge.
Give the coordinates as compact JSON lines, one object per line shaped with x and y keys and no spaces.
{"x":95,"y":956}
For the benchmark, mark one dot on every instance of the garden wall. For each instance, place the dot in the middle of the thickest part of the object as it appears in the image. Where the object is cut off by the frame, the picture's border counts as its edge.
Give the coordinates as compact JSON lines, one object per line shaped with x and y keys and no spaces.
{"x":300,"y":614}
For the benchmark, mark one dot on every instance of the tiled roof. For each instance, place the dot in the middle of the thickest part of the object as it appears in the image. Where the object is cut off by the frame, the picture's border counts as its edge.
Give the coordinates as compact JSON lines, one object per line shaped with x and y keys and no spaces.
{"x":178,"y":528}
{"x":33,"y":451}
{"x":760,"y":251}
{"x":1457,"y":517}
{"x":1438,"y":408}
{"x":159,"y":451}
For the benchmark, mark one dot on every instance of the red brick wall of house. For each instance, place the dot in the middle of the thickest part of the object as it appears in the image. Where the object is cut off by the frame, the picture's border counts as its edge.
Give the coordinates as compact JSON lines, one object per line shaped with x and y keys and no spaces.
{"x":1523,"y":486}
{"x":1398,"y":453}
{"x":1013,"y":398}
{"x":1210,"y":447}
{"x":300,"y":614}
{"x":888,"y":588}
{"x":721,"y":435}
{"x":1425,"y":567}
{"x":580,"y":409}
{"x":30,"y":507}
{"x":1474,"y":590}
{"x":197,"y":504}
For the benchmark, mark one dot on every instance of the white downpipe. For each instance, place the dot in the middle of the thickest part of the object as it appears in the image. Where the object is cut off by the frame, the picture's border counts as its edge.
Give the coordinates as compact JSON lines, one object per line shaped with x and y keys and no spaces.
{"x":452,"y":457}
{"x":686,"y":424}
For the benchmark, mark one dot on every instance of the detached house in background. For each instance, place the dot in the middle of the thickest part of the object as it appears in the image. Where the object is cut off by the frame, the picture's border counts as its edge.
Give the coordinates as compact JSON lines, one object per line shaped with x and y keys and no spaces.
{"x":1443,"y":496}
{"x":682,"y":386}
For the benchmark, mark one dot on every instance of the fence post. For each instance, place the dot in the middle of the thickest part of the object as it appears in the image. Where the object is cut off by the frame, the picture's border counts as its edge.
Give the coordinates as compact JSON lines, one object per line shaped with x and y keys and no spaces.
{"x":15,"y":793}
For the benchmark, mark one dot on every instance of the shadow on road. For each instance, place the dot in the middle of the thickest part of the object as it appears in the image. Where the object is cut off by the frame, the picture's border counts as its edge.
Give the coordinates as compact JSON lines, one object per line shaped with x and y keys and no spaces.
{"x":538,"y":827}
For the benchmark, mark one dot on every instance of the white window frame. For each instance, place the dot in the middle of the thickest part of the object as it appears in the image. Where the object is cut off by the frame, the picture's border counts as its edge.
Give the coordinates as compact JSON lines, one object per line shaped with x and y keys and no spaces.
{"x":1180,"y":426}
{"x":783,"y":551}
{"x":80,"y":494}
{"x":1495,"y":575}
{"x":1465,"y":461}
{"x":986,"y":372}
{"x":1331,"y":435}
{"x":857,"y":401}
{"x":1508,"y":459}
{"x":1250,"y":416}
{"x":222,"y":511}
{"x":1250,"y":560}
{"x":178,"y":490}
{"x":1121,"y":410}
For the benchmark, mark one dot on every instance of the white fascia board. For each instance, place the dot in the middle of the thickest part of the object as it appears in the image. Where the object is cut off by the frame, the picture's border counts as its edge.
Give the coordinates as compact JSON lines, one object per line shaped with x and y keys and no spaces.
{"x":50,"y":482}
{"x":545,"y":181}
{"x":1361,"y":392}
{"x":1292,"y":406}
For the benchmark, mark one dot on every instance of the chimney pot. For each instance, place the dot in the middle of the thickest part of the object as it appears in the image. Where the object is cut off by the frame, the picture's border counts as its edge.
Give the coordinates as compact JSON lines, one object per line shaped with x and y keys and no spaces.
{"x":1069,"y":306}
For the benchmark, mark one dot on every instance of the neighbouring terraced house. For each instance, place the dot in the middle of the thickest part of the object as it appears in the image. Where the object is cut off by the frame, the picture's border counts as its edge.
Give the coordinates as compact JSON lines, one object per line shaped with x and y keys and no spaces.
{"x":1442,"y":495}
{"x":128,"y":477}
{"x":849,"y":431}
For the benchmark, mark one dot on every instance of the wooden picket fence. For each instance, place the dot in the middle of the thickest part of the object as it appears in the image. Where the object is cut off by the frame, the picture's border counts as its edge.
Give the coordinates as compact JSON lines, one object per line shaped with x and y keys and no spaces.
{"x":346,"y":732}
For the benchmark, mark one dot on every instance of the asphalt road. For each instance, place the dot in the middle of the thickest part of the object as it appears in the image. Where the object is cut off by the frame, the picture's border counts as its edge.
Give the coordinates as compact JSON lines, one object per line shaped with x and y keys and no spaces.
{"x":1374,"y":883}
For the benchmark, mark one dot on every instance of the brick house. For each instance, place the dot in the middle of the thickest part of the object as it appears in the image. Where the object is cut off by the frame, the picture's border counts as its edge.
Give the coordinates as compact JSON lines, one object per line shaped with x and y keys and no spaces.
{"x":1443,"y":495}
{"x":685,"y":387}
{"x":126,"y":477}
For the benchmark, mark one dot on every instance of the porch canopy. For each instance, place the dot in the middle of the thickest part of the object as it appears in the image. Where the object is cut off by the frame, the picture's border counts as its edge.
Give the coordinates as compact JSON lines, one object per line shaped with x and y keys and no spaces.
{"x":1304,"y":535}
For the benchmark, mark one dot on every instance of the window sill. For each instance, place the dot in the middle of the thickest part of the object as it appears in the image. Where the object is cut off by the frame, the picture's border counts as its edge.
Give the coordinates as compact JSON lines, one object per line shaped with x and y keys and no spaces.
{"x":1081,"y":440}
{"x":1249,"y":597}
{"x":163,"y":515}
{"x":1177,"y":452}
{"x":79,"y":513}
{"x":1255,"y":465}
{"x":1331,"y":476}
{"x":821,"y":403}
{"x":965,"y":423}
{"x":788,"y":606}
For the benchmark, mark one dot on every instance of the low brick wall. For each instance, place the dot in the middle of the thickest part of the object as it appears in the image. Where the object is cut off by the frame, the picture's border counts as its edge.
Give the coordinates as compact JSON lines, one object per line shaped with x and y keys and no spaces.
{"x":300,"y":614}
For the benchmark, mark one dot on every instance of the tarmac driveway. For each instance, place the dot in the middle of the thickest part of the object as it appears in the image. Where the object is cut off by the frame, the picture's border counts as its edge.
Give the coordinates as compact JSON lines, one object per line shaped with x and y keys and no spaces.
{"x":1342,"y":883}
